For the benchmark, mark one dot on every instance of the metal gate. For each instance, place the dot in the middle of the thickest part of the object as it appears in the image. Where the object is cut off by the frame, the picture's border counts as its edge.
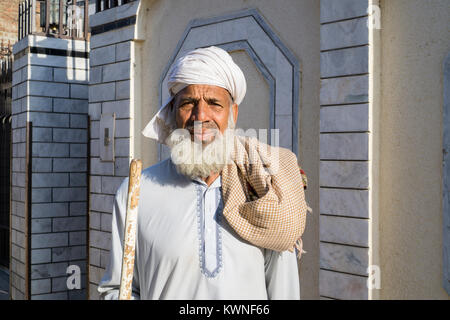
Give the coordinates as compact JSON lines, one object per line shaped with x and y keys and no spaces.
{"x":5,"y":152}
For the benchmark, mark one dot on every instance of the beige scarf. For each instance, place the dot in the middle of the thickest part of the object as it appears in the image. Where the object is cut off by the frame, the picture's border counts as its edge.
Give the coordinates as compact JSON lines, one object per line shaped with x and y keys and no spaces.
{"x":264,"y":197}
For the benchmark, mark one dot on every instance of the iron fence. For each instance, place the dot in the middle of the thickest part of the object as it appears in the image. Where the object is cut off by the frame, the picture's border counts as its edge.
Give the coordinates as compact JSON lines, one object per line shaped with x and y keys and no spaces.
{"x":54,"y":18}
{"x":101,"y":5}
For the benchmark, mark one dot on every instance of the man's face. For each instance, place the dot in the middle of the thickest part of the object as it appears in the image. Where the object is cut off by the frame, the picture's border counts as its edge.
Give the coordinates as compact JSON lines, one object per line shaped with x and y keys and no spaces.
{"x":206,"y":105}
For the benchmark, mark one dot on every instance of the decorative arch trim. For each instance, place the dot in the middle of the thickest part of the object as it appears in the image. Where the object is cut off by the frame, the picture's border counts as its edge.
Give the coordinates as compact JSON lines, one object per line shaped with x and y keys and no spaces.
{"x":247,"y":30}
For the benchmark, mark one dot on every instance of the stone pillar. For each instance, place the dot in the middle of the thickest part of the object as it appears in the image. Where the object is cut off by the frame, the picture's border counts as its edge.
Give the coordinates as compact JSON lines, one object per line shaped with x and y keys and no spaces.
{"x":347,"y":158}
{"x":50,"y":91}
{"x":112,"y":70}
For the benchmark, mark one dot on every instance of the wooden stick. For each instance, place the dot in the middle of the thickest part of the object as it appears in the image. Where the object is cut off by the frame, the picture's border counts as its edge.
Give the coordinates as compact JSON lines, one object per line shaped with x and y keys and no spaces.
{"x":129,"y":240}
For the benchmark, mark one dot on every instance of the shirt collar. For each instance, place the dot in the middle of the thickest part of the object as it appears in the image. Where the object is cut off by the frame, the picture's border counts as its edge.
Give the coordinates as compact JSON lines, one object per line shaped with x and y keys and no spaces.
{"x":216,"y":184}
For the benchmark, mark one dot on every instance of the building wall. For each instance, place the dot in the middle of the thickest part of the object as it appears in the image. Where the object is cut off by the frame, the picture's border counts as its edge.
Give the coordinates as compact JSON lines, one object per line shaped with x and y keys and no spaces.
{"x":415,"y":41}
{"x":9,"y":20}
{"x":162,"y":23}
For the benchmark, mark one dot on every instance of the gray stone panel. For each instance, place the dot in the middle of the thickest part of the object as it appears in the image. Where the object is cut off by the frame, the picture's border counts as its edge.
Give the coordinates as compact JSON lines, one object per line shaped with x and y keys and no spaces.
{"x":344,"y":118}
{"x":102,"y":202}
{"x":101,"y":168}
{"x":78,"y":150}
{"x":51,"y":296}
{"x":77,"y":238}
{"x":78,"y":208}
{"x":70,"y":75}
{"x":59,"y":61}
{"x":106,"y":222}
{"x":41,"y":165}
{"x":78,"y":121}
{"x":41,"y":225}
{"x":350,"y":231}
{"x":121,"y":167}
{"x":46,"y":180}
{"x":102,"y":92}
{"x":95,"y":75}
{"x":42,"y":134}
{"x":344,"y":34}
{"x":121,"y":108}
{"x":122,"y":147}
{"x":44,"y":210}
{"x":114,"y":14}
{"x":70,"y":135}
{"x":123,"y":51}
{"x":95,"y":220}
{"x":344,"y":90}
{"x":46,"y":119}
{"x":123,"y":90}
{"x":332,"y":10}
{"x":344,"y":258}
{"x":70,"y":105}
{"x":50,"y":150}
{"x":79,"y":91}
{"x":48,"y":89}
{"x":112,"y":37}
{"x":344,"y":146}
{"x":344,"y":174}
{"x":95,"y":110}
{"x":353,"y":203}
{"x":343,"y":286}
{"x":78,"y":179}
{"x":344,"y":62}
{"x":49,"y":270}
{"x":95,"y":184}
{"x":122,"y":129}
{"x":111,"y":184}
{"x":69,"y":194}
{"x":116,"y":71}
{"x":103,"y":55}
{"x":41,"y":256}
{"x":69,"y":165}
{"x":49,"y":240}
{"x":57,"y":43}
{"x":41,"y":195}
{"x":40,"y":286}
{"x":100,"y":239}
{"x":69,"y":224}
{"x":38,"y":73}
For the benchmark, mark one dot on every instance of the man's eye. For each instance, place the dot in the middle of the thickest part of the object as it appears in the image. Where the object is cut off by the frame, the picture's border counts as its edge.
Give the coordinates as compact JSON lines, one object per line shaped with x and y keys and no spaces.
{"x":186,"y":105}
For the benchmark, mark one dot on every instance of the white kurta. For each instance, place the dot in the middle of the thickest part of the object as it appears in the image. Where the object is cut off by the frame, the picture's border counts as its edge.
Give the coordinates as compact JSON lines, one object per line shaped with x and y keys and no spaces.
{"x":185,"y":249}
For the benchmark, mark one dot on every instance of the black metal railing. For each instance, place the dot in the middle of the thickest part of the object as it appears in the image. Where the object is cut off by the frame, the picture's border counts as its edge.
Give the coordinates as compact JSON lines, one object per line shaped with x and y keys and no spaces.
{"x":101,"y":5}
{"x":55,"y":18}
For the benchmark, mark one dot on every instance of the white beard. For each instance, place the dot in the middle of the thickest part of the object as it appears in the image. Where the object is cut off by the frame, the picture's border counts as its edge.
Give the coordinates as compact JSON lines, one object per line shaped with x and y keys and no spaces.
{"x":193,"y":159}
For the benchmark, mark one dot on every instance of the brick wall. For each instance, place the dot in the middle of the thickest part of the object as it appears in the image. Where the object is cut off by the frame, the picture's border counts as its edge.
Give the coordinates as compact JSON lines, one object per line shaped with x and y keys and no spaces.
{"x":9,"y":20}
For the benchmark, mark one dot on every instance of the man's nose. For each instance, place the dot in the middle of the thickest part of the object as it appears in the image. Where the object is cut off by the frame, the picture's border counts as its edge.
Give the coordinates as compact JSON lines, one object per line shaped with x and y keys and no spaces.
{"x":200,"y":112}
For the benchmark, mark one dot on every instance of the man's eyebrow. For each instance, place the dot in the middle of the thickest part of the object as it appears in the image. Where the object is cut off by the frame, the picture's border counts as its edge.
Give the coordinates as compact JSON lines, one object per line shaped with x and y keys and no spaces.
{"x":187,"y":99}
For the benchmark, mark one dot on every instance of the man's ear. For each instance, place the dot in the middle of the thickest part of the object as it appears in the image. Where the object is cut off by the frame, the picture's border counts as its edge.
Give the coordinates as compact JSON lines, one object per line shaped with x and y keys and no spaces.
{"x":235,"y":109}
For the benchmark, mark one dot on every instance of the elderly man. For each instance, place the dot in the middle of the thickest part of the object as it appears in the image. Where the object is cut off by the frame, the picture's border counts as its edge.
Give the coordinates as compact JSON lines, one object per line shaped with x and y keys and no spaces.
{"x":223,"y":216}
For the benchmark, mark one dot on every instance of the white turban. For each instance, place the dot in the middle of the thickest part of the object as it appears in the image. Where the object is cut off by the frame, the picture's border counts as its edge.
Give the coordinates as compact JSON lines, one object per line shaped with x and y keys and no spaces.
{"x":210,"y":66}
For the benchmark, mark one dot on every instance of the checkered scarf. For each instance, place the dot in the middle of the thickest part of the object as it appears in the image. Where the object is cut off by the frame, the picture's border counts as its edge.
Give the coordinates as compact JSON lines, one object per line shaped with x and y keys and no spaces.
{"x":263,"y":192}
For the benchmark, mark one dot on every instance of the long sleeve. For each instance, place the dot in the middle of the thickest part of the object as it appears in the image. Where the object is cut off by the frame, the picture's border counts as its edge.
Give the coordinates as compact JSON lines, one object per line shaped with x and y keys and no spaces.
{"x":282,"y":280}
{"x":110,"y":283}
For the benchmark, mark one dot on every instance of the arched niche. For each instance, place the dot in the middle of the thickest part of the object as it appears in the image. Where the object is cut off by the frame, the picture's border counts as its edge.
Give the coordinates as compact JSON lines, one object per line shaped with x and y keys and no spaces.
{"x":248,"y":31}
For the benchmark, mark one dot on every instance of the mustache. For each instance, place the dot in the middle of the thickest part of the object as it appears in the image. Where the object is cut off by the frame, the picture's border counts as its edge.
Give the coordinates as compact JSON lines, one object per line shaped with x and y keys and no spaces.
{"x":201,"y":125}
